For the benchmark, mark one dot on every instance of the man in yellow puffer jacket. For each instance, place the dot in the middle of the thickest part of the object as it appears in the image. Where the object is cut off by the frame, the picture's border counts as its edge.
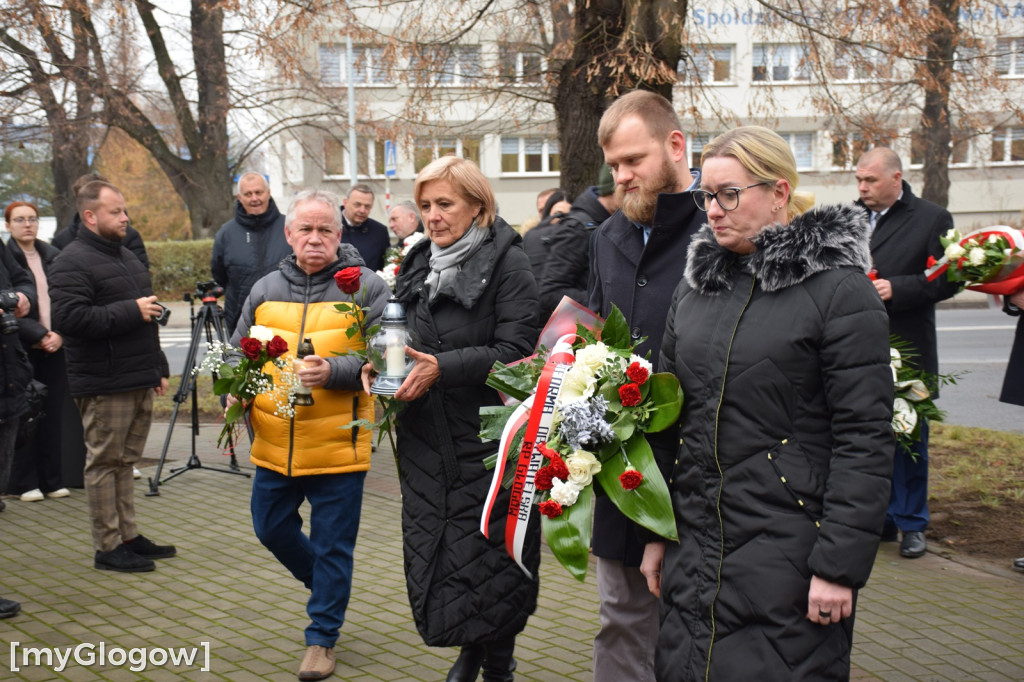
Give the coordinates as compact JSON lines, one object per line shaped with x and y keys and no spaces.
{"x":308,"y":456}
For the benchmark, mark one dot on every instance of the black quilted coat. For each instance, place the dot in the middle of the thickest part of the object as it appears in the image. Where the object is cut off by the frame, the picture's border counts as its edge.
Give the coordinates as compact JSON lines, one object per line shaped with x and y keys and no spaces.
{"x":783,"y":357}
{"x":463,"y":588}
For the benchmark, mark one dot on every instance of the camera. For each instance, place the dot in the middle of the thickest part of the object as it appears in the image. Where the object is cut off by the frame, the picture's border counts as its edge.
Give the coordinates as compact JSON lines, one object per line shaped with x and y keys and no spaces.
{"x":8,"y":302}
{"x":211,"y":288}
{"x":165,"y":314}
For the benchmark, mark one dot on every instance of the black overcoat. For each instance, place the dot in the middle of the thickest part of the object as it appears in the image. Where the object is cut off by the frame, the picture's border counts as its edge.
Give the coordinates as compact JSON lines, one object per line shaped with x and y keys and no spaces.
{"x":463,"y":587}
{"x":783,"y":467}
{"x":1013,"y":382}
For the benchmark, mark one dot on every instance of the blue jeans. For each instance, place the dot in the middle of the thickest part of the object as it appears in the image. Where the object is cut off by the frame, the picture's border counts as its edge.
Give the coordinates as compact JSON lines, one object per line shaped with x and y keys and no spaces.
{"x":322,"y":561}
{"x":908,"y":503}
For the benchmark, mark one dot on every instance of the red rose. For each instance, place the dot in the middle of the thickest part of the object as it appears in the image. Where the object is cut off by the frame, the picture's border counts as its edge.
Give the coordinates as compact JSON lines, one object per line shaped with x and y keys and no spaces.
{"x":542,"y":480}
{"x":251,"y":347}
{"x":631,"y":479}
{"x":347,"y":279}
{"x":277,"y":347}
{"x":550,"y":509}
{"x":629,"y":394}
{"x":637,"y":373}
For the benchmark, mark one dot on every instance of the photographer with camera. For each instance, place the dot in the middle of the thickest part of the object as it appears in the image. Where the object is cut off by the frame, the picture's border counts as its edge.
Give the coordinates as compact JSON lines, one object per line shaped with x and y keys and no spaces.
{"x":17,"y":295}
{"x":103,"y":305}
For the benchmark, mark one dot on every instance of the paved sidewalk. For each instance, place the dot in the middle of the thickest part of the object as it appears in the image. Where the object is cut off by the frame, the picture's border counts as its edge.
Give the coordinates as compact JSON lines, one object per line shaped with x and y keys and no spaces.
{"x":928,"y":619}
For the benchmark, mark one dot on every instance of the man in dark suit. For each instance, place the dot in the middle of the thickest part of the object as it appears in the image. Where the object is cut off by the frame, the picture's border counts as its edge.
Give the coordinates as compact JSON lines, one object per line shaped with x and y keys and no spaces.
{"x":905,"y":230}
{"x":369,"y":237}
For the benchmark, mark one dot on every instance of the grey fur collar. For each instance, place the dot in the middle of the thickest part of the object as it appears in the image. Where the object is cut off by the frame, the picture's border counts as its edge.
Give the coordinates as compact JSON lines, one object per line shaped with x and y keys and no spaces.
{"x":824,"y":238}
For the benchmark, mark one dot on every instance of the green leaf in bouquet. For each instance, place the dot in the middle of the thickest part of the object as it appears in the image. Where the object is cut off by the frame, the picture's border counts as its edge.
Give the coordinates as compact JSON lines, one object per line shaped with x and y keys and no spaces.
{"x":234,"y":413}
{"x":650,"y":504}
{"x":667,"y":397}
{"x":568,"y":535}
{"x":224,"y":384}
{"x":493,"y":419}
{"x":517,"y":381}
{"x":624,"y":426}
{"x":616,"y":330}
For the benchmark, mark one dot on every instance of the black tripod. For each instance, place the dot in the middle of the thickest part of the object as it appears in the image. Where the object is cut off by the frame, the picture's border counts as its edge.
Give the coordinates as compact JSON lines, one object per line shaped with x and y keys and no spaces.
{"x":209,"y":321}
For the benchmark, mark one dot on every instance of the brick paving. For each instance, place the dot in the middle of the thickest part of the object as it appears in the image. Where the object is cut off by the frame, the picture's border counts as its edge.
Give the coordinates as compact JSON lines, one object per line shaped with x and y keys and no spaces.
{"x":928,"y":619}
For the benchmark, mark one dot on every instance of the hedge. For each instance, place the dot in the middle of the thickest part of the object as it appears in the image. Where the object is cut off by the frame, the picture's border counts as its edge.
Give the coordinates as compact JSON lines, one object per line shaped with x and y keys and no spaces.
{"x":177,"y":266}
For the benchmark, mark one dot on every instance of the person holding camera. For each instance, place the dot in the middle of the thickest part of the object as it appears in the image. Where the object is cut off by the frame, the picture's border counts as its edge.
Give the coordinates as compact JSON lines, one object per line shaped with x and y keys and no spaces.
{"x":104,"y":307}
{"x":37,"y":467}
{"x":17,"y":296}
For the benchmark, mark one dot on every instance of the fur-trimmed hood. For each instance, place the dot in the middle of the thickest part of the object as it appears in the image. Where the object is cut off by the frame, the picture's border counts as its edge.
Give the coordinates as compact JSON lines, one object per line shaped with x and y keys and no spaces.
{"x":823,"y":238}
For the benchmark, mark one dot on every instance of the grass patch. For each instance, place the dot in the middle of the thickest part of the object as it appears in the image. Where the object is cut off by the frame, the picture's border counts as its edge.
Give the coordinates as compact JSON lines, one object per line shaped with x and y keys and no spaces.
{"x":972,"y":464}
{"x":209,"y":403}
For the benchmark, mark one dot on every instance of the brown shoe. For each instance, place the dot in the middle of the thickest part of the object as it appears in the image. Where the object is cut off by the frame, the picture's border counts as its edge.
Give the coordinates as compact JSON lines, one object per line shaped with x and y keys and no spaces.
{"x":318,"y":663}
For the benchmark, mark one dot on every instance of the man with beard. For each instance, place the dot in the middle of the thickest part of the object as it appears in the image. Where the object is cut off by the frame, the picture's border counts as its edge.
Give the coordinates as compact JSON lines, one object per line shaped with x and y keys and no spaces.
{"x":637,"y":260}
{"x":249,"y":246}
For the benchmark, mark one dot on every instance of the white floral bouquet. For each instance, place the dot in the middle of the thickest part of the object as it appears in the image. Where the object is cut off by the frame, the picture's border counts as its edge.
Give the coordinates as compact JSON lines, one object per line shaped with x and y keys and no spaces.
{"x":990,"y":260}
{"x":394,"y":257}
{"x":582,"y":419}
{"x":913,"y":402}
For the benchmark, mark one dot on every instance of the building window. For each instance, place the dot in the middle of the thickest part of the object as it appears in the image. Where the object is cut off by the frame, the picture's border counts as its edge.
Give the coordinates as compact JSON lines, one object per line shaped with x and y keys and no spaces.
{"x":428,"y":149}
{"x":696,"y":145}
{"x":802,"y":145}
{"x":780,"y":63}
{"x":968,"y":60}
{"x":707,"y":64}
{"x":370,"y":157}
{"x":529,"y":155}
{"x":369,"y":66}
{"x":1007,"y":145}
{"x":523,"y":65}
{"x":959,"y":148}
{"x":1010,"y":56}
{"x":860,"y":63}
{"x":450,"y":65}
{"x":847,"y":149}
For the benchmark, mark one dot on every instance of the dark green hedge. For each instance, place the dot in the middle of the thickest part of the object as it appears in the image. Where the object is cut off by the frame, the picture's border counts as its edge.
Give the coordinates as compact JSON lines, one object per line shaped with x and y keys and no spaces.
{"x":177,"y":266}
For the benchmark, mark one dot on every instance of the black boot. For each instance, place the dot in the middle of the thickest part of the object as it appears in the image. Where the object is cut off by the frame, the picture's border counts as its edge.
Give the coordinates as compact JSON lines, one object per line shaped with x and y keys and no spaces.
{"x":467,"y":665}
{"x":498,"y":662}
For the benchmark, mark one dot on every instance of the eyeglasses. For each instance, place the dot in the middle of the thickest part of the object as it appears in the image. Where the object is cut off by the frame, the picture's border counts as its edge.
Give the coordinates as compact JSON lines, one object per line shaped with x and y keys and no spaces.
{"x":25,"y":221}
{"x":727,"y":197}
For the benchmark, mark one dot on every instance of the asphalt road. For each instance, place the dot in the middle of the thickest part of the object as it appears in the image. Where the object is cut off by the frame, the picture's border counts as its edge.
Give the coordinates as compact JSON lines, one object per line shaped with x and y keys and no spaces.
{"x":974,"y":342}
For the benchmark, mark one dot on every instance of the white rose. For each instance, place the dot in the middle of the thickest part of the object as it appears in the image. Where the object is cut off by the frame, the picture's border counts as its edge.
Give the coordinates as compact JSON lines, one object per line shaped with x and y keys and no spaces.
{"x":582,"y":466}
{"x":261,"y":333}
{"x":955,"y":252}
{"x":952,"y":235}
{"x":565,"y":493}
{"x":578,"y":384}
{"x":977,"y":256}
{"x":993,"y":239}
{"x":591,"y":357}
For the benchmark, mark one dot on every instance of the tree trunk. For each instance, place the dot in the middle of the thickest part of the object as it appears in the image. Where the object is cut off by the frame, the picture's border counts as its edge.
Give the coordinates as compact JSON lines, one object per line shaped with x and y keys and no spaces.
{"x":935,"y":120}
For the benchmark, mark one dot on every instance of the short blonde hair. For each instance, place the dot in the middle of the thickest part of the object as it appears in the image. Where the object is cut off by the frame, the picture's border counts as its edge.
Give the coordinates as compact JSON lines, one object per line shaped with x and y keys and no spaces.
{"x":465,"y":177}
{"x":766,"y":156}
{"x":654,"y":110}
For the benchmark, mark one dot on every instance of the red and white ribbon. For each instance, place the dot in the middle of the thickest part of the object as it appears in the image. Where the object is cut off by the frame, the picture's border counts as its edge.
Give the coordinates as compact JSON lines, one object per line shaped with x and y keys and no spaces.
{"x":537,"y":412}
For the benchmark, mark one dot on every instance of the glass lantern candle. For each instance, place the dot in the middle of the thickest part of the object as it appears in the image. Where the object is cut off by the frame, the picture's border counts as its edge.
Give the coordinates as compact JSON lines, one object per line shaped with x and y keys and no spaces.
{"x":387,"y":350}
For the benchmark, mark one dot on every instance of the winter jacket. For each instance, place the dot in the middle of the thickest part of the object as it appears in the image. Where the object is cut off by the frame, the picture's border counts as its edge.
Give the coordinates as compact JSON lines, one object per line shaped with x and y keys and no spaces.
{"x":298,"y":306}
{"x":537,"y":244}
{"x":15,"y":368}
{"x":901,"y":242}
{"x":1013,"y":382}
{"x":639,"y":279}
{"x":29,"y":328}
{"x":94,"y":284}
{"x":463,"y":587}
{"x":132,"y":239}
{"x":245,"y":249}
{"x":370,"y":238}
{"x":567,"y":269}
{"x":785,"y":453}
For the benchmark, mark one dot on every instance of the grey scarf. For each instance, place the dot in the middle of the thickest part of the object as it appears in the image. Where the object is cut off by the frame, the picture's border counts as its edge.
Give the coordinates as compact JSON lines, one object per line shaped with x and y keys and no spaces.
{"x":446,"y":261}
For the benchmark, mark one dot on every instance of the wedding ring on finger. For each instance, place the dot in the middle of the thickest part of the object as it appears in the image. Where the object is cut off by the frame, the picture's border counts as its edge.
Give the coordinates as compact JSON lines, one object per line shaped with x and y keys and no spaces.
{"x":825,"y":614}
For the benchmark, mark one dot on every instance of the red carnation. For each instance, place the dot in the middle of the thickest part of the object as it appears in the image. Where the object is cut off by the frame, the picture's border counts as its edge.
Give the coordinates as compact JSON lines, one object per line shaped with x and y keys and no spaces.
{"x":550,"y":509}
{"x":347,"y":279}
{"x":277,"y":347}
{"x":251,"y":347}
{"x":558,"y":468}
{"x":931,"y":261}
{"x":543,"y":478}
{"x":629,"y":394}
{"x":631,"y":479}
{"x":637,"y":373}
{"x":543,"y":449}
